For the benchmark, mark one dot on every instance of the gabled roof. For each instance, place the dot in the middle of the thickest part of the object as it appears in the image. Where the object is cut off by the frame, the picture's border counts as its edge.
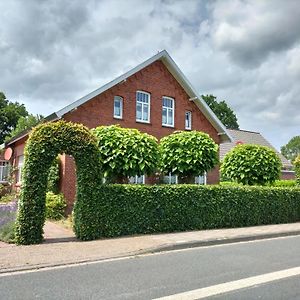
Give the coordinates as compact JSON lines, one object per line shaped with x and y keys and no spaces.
{"x":178,"y":75}
{"x":249,"y":137}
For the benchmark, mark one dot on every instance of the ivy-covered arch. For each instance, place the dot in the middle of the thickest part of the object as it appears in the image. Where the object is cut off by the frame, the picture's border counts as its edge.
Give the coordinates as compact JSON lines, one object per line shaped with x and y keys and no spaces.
{"x":45,"y":142}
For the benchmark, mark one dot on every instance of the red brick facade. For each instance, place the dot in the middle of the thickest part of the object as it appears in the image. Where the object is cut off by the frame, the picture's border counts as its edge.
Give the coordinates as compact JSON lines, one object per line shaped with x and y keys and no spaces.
{"x":154,"y":79}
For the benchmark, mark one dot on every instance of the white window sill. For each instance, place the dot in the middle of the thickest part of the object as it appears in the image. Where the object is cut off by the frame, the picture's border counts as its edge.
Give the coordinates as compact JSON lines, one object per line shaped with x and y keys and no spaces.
{"x":141,"y":121}
{"x":119,"y":118}
{"x":188,"y":129}
{"x":166,"y":125}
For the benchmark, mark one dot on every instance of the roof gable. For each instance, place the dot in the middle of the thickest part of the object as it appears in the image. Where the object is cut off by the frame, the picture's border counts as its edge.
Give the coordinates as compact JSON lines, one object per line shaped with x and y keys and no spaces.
{"x":177,"y":74}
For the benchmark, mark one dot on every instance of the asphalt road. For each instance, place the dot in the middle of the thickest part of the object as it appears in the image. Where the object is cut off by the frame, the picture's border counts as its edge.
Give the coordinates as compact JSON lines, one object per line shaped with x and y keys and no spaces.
{"x":154,"y":276}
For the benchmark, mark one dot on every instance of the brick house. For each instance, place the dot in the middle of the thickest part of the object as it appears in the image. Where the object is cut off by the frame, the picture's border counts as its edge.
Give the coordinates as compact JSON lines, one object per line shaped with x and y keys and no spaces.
{"x":154,"y":97}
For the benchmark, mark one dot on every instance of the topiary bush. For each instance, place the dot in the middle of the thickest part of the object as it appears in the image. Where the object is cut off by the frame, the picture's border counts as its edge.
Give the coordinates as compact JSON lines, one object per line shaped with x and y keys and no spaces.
{"x":55,"y":206}
{"x":126,"y":152}
{"x":251,"y":165}
{"x":188,"y":154}
{"x":45,"y":142}
{"x":139,"y":209}
{"x":297,"y":169}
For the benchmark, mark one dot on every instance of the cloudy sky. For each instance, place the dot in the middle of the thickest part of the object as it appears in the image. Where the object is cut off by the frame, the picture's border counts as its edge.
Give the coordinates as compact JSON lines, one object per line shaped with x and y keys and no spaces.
{"x":246,"y":52}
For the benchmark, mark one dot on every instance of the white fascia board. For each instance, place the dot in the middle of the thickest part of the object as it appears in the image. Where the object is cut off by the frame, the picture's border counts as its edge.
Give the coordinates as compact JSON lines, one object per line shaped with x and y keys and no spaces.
{"x":187,"y":86}
{"x":107,"y":86}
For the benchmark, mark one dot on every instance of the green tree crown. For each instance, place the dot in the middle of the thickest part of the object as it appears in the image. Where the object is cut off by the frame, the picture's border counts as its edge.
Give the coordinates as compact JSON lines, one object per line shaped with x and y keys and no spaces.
{"x":292,"y":149}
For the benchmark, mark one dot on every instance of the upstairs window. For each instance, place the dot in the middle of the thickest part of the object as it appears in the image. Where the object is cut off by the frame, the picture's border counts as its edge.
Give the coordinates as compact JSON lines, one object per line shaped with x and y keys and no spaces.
{"x":142,"y":107}
{"x":168,"y":111}
{"x":188,"y":120}
{"x":118,"y":107}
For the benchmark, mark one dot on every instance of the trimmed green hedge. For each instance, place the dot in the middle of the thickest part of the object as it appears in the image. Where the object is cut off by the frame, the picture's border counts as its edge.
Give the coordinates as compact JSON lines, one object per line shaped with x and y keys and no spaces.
{"x":55,"y":206}
{"x":139,"y":209}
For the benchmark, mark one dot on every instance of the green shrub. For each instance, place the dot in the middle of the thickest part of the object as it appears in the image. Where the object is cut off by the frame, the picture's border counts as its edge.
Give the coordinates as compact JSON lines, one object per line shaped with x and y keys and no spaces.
{"x":139,"y":209}
{"x":53,"y":176}
{"x":7,"y":233}
{"x":251,"y":165}
{"x":126,"y":152}
{"x":45,"y":142}
{"x":297,"y":169}
{"x":55,"y":206}
{"x":188,"y":154}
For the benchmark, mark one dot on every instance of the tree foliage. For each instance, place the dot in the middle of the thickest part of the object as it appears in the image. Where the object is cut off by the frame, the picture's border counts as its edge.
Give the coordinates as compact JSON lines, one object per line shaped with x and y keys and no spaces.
{"x":292,"y":149}
{"x":45,"y":142}
{"x":10,"y":112}
{"x":221,"y":109}
{"x":188,"y":153}
{"x":23,"y":124}
{"x":126,"y":152}
{"x":251,"y":165}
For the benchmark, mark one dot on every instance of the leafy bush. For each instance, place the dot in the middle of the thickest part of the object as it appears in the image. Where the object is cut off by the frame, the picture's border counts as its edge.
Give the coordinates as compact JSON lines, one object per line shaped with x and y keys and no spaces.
{"x":53,"y":177}
{"x":55,"y":206}
{"x":139,"y":209}
{"x":45,"y":142}
{"x":126,"y":152}
{"x":251,"y":165}
{"x":188,"y":154}
{"x":297,"y":169}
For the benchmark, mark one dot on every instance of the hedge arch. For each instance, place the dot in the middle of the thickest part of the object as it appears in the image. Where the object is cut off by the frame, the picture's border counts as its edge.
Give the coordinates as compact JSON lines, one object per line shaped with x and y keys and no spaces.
{"x":45,"y":142}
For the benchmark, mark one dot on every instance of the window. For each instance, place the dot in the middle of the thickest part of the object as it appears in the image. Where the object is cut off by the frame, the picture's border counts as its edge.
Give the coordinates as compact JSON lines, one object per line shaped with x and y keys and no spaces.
{"x":118,"y":107}
{"x":201,"y":179}
{"x":188,"y":120}
{"x":143,"y":107}
{"x":4,"y":170}
{"x":137,"y":179}
{"x":20,"y":167}
{"x":168,"y":111}
{"x":170,"y":179}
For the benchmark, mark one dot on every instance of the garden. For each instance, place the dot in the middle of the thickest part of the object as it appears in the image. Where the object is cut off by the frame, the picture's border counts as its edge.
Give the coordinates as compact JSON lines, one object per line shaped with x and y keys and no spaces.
{"x":107,"y":206}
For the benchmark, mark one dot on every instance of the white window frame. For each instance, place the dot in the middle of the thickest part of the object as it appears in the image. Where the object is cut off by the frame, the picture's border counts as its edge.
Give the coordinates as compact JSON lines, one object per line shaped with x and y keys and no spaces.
{"x":20,"y":167}
{"x":118,"y":98}
{"x":134,"y":179}
{"x":142,"y":104}
{"x":188,"y":113}
{"x":203,"y":179}
{"x":169,"y":179}
{"x":168,"y":109}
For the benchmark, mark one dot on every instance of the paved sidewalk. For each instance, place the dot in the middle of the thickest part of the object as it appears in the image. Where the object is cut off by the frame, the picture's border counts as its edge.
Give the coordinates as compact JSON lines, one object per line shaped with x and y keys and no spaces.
{"x":61,"y":247}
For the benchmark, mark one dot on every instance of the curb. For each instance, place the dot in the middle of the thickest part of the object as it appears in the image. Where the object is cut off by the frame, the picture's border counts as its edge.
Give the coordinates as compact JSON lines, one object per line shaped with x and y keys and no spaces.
{"x":163,"y":248}
{"x":221,"y":241}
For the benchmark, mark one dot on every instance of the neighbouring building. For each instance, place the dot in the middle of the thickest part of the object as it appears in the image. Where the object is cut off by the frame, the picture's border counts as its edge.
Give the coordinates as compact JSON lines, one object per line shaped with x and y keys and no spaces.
{"x":250,"y":137}
{"x":154,"y":97}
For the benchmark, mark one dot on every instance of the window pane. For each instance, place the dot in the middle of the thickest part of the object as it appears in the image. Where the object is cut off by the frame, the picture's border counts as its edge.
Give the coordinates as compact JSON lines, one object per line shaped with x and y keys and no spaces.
{"x":145,"y":112}
{"x":139,"y":111}
{"x":188,"y":120}
{"x":170,"y":117}
{"x":164,"y":116}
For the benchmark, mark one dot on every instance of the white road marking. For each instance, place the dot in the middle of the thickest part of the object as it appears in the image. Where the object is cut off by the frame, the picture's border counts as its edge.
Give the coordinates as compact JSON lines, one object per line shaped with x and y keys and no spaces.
{"x":233,"y":285}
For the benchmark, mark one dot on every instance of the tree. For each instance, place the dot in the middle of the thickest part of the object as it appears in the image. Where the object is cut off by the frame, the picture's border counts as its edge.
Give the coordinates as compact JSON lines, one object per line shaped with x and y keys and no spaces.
{"x":251,"y":165}
{"x":23,"y":124}
{"x":188,"y":154}
{"x":221,"y":109}
{"x":10,"y":112}
{"x":126,"y":152}
{"x":292,"y":149}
